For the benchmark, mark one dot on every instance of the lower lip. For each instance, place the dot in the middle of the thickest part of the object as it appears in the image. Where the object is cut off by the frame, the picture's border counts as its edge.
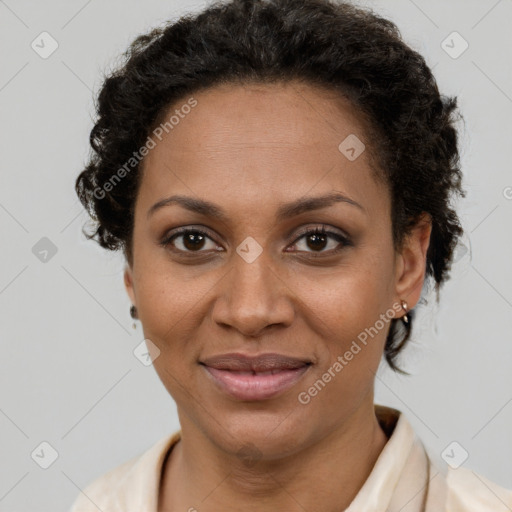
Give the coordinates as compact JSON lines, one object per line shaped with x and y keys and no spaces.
{"x":255,"y":387}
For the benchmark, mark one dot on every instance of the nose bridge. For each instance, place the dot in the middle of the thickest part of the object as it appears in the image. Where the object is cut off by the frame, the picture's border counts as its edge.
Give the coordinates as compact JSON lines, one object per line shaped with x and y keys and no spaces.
{"x":251,"y":272}
{"x":253,"y":296}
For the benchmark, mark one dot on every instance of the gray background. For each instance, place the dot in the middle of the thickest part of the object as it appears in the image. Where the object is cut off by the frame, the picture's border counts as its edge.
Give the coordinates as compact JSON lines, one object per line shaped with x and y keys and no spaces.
{"x":68,"y":375}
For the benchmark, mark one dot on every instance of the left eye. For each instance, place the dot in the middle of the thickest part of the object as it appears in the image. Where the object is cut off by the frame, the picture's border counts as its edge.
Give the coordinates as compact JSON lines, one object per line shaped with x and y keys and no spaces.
{"x":318,"y":239}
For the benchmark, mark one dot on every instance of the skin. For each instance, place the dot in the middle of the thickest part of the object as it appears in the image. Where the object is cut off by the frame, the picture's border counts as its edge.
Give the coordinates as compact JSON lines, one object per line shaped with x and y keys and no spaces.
{"x":248,"y":149}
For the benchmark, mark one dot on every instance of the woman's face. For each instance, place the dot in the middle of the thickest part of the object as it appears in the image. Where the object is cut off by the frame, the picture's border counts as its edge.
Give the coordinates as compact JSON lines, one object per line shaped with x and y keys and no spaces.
{"x":256,"y":282}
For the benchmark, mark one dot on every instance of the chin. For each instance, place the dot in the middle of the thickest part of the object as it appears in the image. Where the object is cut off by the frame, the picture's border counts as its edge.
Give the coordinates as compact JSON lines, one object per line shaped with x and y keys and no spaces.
{"x":260,"y":435}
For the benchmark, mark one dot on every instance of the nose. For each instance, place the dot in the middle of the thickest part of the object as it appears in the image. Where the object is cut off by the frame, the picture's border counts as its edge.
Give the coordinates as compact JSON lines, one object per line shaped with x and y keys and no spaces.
{"x":253,"y":297}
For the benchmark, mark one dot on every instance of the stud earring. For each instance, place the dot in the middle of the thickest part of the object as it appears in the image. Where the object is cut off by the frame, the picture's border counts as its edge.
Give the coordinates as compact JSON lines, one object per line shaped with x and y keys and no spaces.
{"x":133,"y":314}
{"x":405,"y":318}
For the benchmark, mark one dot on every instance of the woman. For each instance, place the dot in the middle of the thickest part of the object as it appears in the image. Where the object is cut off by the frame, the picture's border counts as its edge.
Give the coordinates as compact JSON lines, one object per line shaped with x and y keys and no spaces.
{"x":278,"y":175}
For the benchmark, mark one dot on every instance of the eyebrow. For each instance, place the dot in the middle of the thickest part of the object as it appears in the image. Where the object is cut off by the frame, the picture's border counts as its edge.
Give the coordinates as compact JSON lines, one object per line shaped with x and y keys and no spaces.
{"x":284,"y":211}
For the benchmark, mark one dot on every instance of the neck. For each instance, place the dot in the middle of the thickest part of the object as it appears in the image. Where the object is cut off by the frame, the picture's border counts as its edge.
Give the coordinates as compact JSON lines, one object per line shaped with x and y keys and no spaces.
{"x":198,"y":474}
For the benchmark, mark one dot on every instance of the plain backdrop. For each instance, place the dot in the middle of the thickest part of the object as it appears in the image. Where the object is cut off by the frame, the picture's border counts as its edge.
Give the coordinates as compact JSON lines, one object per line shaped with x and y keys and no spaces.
{"x":68,"y":375}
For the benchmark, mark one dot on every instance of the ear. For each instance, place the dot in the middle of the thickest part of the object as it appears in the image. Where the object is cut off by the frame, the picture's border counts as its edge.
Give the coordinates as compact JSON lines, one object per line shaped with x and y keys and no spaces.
{"x":128,"y":283}
{"x":411,"y":262}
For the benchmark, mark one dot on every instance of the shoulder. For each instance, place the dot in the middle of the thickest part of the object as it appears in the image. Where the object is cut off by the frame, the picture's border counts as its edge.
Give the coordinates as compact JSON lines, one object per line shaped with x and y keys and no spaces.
{"x":100,"y":493}
{"x":123,"y":488}
{"x":472,"y":492}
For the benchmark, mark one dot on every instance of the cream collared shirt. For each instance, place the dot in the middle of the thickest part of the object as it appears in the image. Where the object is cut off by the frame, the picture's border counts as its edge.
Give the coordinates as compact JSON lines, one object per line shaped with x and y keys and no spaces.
{"x":405,"y":478}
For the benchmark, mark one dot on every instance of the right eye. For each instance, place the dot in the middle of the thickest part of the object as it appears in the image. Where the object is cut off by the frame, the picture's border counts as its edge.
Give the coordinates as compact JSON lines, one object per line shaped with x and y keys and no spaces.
{"x":190,"y":240}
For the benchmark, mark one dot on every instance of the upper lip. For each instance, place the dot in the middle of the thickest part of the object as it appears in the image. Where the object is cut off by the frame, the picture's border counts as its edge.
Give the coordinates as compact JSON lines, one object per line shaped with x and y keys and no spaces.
{"x":260,"y":363}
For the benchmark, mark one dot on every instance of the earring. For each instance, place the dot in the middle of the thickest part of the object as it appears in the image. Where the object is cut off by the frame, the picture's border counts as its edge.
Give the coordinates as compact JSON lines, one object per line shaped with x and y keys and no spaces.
{"x":133,"y":314}
{"x":405,"y":318}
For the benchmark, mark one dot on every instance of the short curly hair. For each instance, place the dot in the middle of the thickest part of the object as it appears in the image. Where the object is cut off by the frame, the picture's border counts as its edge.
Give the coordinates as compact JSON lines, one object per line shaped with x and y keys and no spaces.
{"x":410,"y":126}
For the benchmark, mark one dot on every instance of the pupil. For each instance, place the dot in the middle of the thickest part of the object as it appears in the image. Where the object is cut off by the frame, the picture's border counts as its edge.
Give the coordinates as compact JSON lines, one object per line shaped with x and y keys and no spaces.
{"x":317,"y":238}
{"x":193,"y":241}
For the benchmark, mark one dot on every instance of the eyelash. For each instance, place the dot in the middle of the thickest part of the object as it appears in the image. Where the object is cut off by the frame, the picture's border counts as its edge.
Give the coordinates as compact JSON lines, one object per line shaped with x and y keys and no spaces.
{"x":167,"y":241}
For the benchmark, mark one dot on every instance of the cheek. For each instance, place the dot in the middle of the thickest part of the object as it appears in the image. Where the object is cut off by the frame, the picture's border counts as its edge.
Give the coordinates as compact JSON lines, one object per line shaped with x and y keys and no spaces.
{"x":167,"y":299}
{"x":350,"y":341}
{"x":344,"y":301}
{"x":345,"y":311}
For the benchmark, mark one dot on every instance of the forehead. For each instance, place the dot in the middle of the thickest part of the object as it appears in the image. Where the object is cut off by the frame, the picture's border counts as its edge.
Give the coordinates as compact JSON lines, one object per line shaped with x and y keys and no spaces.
{"x":284,"y":116}
{"x":278,"y":141}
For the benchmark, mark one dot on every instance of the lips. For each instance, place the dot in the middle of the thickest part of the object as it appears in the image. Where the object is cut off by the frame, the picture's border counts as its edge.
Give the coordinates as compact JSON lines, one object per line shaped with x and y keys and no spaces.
{"x":262,"y":363}
{"x":259,"y":377}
